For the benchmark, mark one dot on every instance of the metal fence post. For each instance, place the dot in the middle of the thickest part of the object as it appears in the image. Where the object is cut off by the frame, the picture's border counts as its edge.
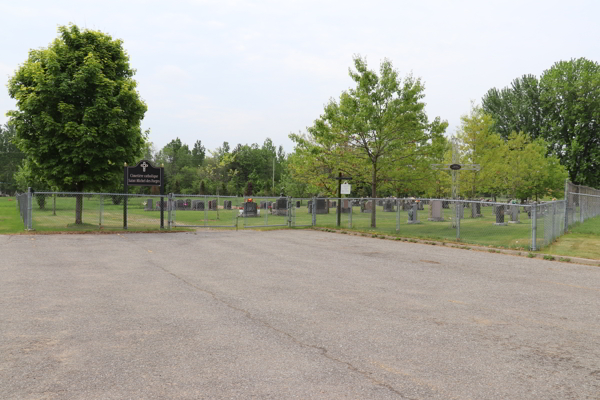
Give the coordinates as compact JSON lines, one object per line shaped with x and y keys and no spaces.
{"x":350,"y":214}
{"x":566,"y":205}
{"x":289,"y":211}
{"x":458,"y":208}
{"x":169,"y":202}
{"x":397,"y":215}
{"x":100,"y":208}
{"x":534,"y":226}
{"x":314,"y":211}
{"x":581,"y":218}
{"x":205,"y":210}
{"x":29,"y":213}
{"x":267,"y":212}
{"x":554,"y":233}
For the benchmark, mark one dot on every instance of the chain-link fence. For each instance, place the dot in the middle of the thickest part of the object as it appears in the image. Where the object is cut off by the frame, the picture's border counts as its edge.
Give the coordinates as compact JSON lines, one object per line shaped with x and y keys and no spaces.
{"x":259,"y":211}
{"x":83,"y":211}
{"x":523,"y":226}
{"x":550,"y":222}
{"x":24,"y":207}
{"x":204,"y":211}
{"x":583,"y":203}
{"x":477,"y":222}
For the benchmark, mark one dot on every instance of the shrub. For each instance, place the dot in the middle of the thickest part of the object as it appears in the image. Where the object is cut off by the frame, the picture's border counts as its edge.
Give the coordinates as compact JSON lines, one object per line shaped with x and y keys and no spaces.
{"x":41,"y":201}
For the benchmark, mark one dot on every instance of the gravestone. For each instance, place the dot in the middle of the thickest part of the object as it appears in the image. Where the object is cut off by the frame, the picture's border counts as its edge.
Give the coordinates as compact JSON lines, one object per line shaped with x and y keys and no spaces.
{"x":309,"y":206}
{"x":200,"y":206}
{"x":499,"y":211}
{"x":435,"y":211}
{"x":406,"y":205}
{"x":298,"y":204}
{"x":514,"y":214}
{"x":412,"y":214}
{"x":380,"y":203}
{"x":227,"y":204}
{"x":180,"y":205}
{"x":346,"y":204}
{"x":148,"y":206}
{"x":188,"y":204}
{"x":445,"y":204}
{"x":332,"y":204}
{"x":250,"y":209}
{"x":388,"y":206}
{"x":420,"y":206}
{"x":322,"y":206}
{"x":367,"y":207}
{"x":476,"y":210}
{"x":279,"y":207}
{"x":263,"y":205}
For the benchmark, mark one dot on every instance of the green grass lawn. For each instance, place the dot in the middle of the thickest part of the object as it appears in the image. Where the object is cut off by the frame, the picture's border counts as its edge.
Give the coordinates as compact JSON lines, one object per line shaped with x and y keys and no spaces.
{"x":58,"y":215}
{"x":480,"y":231}
{"x":583,"y":240}
{"x":10,"y":220}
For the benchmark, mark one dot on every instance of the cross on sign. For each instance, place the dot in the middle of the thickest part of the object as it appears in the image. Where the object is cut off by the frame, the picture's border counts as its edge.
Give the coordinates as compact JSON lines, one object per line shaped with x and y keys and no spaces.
{"x":144,"y":166}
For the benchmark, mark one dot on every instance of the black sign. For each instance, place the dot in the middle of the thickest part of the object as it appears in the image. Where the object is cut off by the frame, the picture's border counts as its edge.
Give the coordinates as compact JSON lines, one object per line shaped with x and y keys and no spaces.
{"x":144,"y":174}
{"x":455,"y":167}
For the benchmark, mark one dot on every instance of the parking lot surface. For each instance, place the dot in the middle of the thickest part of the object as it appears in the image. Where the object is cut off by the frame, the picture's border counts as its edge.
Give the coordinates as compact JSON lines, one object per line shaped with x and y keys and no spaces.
{"x":290,"y":314}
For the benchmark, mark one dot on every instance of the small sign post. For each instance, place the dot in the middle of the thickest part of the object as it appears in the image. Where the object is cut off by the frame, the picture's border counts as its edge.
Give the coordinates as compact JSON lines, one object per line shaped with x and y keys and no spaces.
{"x":346,"y":187}
{"x":144,"y":174}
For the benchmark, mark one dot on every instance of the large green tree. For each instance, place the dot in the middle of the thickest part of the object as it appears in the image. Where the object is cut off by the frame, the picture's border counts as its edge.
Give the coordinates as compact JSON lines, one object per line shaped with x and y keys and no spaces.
{"x":518,"y":166}
{"x":515,"y":108}
{"x":378,"y":132}
{"x":570,"y":98}
{"x":479,"y":144}
{"x":562,"y":107}
{"x":10,"y":158}
{"x":79,"y":113}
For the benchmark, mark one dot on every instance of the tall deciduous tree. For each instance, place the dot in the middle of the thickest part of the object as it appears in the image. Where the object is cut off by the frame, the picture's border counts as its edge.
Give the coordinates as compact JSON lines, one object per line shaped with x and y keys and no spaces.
{"x":480,"y":145}
{"x":570,"y":98}
{"x":10,"y":158}
{"x":563,"y":108}
{"x":79,"y":114}
{"x":515,"y":108}
{"x":377,"y":130}
{"x":198,"y":153}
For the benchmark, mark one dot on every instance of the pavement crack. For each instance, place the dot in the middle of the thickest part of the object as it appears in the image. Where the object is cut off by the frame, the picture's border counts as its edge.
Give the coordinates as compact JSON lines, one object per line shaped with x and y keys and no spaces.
{"x":323,"y":350}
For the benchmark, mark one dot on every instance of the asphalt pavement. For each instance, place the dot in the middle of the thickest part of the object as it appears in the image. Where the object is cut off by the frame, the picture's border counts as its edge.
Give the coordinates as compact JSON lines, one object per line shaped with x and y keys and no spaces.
{"x":290,"y":314}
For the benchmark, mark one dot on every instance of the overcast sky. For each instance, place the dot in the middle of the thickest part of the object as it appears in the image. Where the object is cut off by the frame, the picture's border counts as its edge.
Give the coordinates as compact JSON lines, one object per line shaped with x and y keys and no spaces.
{"x":244,"y":71}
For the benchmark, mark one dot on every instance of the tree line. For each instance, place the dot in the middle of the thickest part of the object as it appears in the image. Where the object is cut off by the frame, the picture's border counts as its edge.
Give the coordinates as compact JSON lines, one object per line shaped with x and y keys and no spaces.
{"x":79,"y":115}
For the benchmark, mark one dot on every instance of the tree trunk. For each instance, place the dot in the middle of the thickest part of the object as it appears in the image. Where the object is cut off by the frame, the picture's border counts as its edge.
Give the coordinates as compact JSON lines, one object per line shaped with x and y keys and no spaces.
{"x":79,"y":205}
{"x":374,"y":196}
